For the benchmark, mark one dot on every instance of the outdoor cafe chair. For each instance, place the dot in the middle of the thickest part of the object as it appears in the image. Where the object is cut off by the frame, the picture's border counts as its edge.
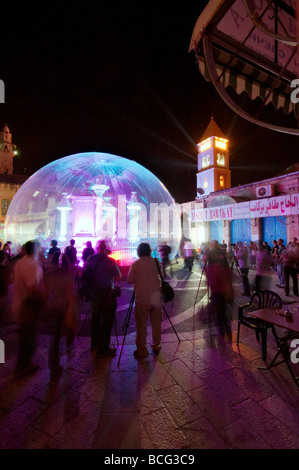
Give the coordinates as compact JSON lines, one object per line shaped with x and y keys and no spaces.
{"x":259,"y":299}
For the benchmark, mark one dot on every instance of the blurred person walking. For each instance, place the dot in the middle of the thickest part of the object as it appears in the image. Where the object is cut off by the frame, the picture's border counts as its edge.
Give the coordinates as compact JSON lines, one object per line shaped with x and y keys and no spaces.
{"x":143,"y":274}
{"x":88,"y":251}
{"x":274,"y":248}
{"x":60,"y":311}
{"x":263,"y":263}
{"x":6,"y":279}
{"x":188,"y":254}
{"x":70,"y":255}
{"x":53,"y":255}
{"x":242,"y":255}
{"x":165,"y":251}
{"x":221,"y":289}
{"x":7,"y":249}
{"x":252,"y":254}
{"x":29,"y":297}
{"x":290,"y":259}
{"x":278,"y":252}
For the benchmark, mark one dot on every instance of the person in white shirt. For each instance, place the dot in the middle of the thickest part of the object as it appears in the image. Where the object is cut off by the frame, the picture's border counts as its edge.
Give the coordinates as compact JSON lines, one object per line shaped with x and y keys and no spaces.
{"x":188,"y":252}
{"x":144,"y":275}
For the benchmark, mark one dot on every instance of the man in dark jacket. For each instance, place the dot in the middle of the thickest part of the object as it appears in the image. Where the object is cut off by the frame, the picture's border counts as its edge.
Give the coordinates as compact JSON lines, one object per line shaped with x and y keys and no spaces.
{"x":102,"y":271}
{"x":70,"y":257}
{"x":87,"y":252}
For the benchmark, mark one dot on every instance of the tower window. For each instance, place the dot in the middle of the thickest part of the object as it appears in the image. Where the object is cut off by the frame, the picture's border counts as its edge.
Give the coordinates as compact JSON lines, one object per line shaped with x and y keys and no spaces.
{"x":206,"y":144}
{"x":220,"y":143}
{"x":205,"y":161}
{"x":221,"y":179}
{"x":220,"y":159}
{"x":205,"y":184}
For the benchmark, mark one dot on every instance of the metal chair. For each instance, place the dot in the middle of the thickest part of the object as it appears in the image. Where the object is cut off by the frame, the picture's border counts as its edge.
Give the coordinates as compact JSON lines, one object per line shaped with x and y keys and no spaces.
{"x":260,"y":299}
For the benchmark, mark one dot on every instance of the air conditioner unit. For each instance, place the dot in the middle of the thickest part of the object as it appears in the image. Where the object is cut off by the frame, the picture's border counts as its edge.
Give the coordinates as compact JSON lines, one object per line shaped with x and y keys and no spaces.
{"x":264,"y":191}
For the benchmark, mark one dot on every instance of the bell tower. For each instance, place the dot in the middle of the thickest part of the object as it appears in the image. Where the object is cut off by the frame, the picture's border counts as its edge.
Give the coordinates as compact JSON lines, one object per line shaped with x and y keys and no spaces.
{"x":7,"y":151}
{"x":213,"y":161}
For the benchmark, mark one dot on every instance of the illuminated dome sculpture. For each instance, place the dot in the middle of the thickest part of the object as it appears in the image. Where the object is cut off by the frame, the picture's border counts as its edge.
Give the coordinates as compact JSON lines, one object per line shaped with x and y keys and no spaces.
{"x":93,"y":196}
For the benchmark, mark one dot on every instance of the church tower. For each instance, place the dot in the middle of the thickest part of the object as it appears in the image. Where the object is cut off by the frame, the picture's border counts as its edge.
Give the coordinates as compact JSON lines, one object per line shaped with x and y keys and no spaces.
{"x":213,"y":161}
{"x":7,"y":151}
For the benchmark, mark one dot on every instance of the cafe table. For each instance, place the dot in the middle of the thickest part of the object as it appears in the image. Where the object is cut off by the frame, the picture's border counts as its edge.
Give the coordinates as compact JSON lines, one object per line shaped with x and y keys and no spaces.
{"x":286,"y":318}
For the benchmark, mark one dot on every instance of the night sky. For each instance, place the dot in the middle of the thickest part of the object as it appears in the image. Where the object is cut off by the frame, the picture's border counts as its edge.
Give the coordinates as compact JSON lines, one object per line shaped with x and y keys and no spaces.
{"x":118,"y":78}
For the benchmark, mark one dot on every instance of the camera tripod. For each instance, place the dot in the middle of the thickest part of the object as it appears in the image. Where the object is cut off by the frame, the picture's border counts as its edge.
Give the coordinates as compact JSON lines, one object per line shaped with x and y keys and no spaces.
{"x":127,"y":322}
{"x":202,"y":271}
{"x":204,"y":309}
{"x":236,"y":264}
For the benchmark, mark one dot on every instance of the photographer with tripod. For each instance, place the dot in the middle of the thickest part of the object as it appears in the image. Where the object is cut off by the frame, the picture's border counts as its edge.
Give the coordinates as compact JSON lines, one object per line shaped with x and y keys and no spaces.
{"x":147,"y":289}
{"x":101,"y":272}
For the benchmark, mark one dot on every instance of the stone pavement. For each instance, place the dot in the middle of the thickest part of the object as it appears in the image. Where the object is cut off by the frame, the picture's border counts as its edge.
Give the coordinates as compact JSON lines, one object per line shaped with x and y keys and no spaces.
{"x":199,"y":393}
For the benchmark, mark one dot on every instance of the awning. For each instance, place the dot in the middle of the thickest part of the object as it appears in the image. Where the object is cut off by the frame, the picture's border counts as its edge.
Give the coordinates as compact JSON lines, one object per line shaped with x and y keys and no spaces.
{"x":255,"y":83}
{"x":251,"y":47}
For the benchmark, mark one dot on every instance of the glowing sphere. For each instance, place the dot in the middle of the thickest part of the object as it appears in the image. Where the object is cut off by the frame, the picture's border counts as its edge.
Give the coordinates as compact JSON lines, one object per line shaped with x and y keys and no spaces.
{"x":93,"y":196}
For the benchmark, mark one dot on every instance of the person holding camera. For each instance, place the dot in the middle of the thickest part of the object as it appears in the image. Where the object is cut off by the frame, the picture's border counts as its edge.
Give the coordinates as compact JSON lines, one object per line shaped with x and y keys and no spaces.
{"x":144,"y":275}
{"x":102,"y":271}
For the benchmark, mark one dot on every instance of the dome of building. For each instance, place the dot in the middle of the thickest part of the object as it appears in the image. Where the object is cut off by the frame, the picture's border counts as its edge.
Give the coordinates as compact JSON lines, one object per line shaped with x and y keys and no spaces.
{"x":93,"y":196}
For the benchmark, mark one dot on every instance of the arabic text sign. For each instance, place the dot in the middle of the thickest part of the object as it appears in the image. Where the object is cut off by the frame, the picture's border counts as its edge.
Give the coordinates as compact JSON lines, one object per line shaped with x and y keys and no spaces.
{"x":275,"y":206}
{"x":267,"y":207}
{"x":219,"y":213}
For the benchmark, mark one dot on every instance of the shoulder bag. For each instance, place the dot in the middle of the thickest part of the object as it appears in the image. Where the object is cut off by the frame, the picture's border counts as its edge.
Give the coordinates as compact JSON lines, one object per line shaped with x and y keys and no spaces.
{"x":167,"y":292}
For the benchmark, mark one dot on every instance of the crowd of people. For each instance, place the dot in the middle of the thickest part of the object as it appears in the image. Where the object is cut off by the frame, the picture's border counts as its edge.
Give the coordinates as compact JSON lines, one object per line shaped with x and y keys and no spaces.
{"x":46,"y":285}
{"x":282,"y":258}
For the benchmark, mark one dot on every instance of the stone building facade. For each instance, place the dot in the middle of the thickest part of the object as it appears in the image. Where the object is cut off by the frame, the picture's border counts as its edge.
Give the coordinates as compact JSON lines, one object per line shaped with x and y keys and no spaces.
{"x":9,"y":182}
{"x":264,"y":210}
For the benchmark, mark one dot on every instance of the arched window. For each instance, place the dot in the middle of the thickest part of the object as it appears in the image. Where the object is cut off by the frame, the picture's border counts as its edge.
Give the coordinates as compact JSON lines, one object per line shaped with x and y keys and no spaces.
{"x":221,"y":179}
{"x":220,"y":159}
{"x":205,"y":184}
{"x":205,"y":161}
{"x":4,"y":206}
